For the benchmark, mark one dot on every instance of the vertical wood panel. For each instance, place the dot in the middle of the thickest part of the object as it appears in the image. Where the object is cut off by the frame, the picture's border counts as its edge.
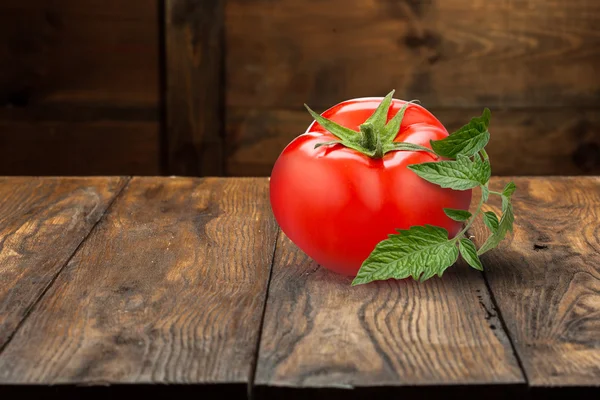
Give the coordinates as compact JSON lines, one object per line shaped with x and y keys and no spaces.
{"x":194,"y":51}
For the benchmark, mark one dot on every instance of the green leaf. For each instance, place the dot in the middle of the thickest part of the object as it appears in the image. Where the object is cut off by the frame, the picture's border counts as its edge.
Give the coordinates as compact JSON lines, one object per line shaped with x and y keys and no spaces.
{"x":491,"y":220}
{"x":505,"y":225}
{"x":461,"y":174}
{"x":468,"y":140}
{"x":420,"y":252}
{"x":486,"y":116}
{"x":509,"y":189}
{"x":389,"y":132}
{"x":457,"y":215}
{"x":468,"y":251}
{"x":402,"y":146}
{"x":485,"y":193}
{"x":337,"y":130}
{"x":379,"y":116}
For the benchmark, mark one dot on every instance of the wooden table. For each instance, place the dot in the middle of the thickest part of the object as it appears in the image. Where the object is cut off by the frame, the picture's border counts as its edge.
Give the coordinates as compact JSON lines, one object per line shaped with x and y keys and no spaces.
{"x":175,"y":285}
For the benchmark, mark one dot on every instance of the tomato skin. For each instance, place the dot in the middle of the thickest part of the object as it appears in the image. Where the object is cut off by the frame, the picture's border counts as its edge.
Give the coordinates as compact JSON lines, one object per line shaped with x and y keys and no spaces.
{"x":336,"y":204}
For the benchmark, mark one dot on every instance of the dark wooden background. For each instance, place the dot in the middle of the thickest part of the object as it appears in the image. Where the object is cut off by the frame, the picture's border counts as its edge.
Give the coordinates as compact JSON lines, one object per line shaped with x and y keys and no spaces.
{"x":216,"y":87}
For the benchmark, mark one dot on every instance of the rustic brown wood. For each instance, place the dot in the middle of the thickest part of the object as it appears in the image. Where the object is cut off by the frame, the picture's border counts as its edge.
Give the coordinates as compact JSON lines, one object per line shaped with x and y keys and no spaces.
{"x":319,"y":332}
{"x":79,"y":148}
{"x":69,"y":61}
{"x":546,"y":282}
{"x":72,"y":51}
{"x":460,"y":53}
{"x":42,"y":221}
{"x":169,"y":288}
{"x":524,"y":142}
{"x":194,"y":50}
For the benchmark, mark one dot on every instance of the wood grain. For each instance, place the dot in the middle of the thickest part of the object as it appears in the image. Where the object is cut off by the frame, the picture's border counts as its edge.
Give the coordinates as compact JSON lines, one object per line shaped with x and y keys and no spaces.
{"x":79,"y":148}
{"x":79,"y":87}
{"x":70,"y":51}
{"x":459,"y":53}
{"x":169,"y":288}
{"x":42,"y":221}
{"x":546,"y":282}
{"x":524,"y":142}
{"x":319,"y":332}
{"x":194,"y":44}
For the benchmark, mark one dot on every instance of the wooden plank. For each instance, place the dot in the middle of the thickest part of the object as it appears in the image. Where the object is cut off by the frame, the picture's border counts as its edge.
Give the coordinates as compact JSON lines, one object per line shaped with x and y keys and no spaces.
{"x":194,"y":48}
{"x":42,"y":222}
{"x":319,"y":332}
{"x":524,"y":142}
{"x":454,"y":53}
{"x":546,"y":282}
{"x":169,"y":288}
{"x":69,"y":51}
{"x":79,"y":148}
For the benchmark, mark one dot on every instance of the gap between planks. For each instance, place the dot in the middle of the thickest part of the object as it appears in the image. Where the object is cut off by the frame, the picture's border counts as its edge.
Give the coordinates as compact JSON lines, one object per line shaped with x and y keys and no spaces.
{"x":55,"y":277}
{"x":503,"y":325}
{"x":254,"y":365}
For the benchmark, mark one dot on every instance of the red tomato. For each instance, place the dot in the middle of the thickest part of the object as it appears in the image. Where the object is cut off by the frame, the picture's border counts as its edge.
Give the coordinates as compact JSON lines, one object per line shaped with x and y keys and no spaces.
{"x":336,"y":204}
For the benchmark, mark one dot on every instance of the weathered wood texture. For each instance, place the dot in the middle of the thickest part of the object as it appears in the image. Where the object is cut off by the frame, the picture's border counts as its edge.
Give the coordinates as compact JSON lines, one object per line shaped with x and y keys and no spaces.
{"x":169,"y":288}
{"x":456,"y":53}
{"x":67,"y":61}
{"x":321,"y":332}
{"x":546,"y":282}
{"x":79,"y":148}
{"x":42,"y":221}
{"x":71,"y":51}
{"x":543,"y":142}
{"x":194,"y":51}
{"x":534,"y":63}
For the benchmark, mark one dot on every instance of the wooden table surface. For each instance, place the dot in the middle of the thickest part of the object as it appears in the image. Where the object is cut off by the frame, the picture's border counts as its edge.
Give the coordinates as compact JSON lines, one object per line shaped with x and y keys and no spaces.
{"x":163,"y":285}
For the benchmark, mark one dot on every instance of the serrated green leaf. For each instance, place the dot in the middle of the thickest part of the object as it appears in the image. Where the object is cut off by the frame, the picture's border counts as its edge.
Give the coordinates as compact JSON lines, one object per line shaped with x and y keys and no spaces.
{"x":402,"y":146}
{"x":337,"y":130}
{"x":420,"y":252}
{"x":491,"y":220}
{"x":391,"y":129}
{"x":468,"y":140}
{"x":461,"y":174}
{"x":509,"y":189}
{"x":379,"y":116}
{"x":468,"y":251}
{"x":485,"y":193}
{"x":457,"y":215}
{"x":505,"y":225}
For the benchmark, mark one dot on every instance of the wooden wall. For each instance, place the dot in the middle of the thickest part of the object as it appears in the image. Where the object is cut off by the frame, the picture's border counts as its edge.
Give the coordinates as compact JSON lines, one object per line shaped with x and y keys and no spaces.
{"x":79,"y":87}
{"x":535,"y":63}
{"x":216,"y":87}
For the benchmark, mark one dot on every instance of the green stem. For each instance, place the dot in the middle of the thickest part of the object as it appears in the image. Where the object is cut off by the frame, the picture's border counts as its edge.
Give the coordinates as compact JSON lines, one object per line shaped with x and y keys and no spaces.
{"x":498,"y":193}
{"x":371,"y":140}
{"x":466,"y":228}
{"x":484,"y":154}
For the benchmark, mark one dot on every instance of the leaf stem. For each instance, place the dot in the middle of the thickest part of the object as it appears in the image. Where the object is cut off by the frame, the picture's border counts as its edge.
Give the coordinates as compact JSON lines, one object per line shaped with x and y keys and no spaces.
{"x":498,"y":193}
{"x":475,"y":214}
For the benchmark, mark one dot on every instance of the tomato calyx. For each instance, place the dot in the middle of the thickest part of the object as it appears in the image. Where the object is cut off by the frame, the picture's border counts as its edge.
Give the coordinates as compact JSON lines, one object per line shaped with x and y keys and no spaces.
{"x":375,"y":137}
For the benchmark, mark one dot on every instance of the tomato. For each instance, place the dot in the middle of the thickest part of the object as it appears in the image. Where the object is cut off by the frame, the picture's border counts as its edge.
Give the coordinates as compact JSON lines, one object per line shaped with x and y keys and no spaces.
{"x":336,"y":203}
